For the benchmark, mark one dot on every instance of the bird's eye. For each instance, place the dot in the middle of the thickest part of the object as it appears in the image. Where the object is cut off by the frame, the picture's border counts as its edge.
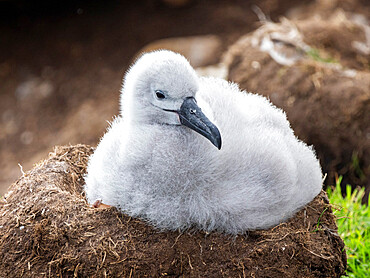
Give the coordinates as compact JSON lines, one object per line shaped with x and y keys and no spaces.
{"x":160,"y":94}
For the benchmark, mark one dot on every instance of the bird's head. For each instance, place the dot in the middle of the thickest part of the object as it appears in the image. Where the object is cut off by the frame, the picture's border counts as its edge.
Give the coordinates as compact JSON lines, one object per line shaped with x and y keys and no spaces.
{"x":160,"y":88}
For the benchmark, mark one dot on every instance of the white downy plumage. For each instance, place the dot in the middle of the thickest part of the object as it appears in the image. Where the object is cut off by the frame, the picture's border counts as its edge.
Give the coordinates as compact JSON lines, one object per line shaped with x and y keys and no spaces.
{"x":157,"y":161}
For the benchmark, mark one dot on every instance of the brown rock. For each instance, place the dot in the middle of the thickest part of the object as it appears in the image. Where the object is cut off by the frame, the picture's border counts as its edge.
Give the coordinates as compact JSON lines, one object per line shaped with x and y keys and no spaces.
{"x":199,"y":50}
{"x":47,"y":228}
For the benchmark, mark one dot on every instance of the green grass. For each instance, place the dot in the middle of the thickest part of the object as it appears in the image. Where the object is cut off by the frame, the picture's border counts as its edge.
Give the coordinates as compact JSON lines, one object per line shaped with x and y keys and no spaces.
{"x":353,"y":219}
{"x":315,"y":54}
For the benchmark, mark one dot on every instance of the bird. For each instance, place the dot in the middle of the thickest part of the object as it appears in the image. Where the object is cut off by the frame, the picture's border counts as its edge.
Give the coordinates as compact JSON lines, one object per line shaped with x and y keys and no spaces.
{"x":189,"y":152}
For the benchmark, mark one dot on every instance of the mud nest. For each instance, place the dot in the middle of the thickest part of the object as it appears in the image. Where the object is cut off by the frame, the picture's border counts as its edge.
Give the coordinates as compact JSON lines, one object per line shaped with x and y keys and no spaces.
{"x":325,"y":93}
{"x":47,"y":228}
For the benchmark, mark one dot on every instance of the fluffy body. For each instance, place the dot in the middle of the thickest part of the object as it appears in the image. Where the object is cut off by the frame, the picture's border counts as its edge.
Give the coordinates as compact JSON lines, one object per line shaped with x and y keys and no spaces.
{"x":175,"y":178}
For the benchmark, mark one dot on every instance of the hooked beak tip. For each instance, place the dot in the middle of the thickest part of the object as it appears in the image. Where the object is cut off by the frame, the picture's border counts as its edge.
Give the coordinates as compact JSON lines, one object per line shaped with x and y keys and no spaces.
{"x":217,"y":142}
{"x":219,"y":145}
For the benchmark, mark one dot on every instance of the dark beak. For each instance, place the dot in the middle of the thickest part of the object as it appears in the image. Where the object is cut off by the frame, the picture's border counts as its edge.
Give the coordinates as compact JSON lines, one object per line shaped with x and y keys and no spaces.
{"x":192,"y":116}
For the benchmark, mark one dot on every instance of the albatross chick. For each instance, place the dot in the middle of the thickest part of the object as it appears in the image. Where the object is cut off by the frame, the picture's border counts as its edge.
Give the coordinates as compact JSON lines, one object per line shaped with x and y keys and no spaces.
{"x":189,"y":151}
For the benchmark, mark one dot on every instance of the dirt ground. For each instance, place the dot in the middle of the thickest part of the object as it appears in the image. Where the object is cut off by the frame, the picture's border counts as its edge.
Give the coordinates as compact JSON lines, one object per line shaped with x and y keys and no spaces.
{"x":48,"y":229}
{"x":61,"y":65}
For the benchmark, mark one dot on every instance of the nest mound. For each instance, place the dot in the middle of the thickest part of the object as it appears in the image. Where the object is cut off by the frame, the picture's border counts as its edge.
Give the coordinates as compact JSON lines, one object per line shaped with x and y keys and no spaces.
{"x":323,"y":88}
{"x":48,"y":228}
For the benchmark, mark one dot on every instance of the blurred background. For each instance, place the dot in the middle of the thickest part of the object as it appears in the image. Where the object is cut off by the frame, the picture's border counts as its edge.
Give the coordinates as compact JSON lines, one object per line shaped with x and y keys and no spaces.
{"x":62,"y":62}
